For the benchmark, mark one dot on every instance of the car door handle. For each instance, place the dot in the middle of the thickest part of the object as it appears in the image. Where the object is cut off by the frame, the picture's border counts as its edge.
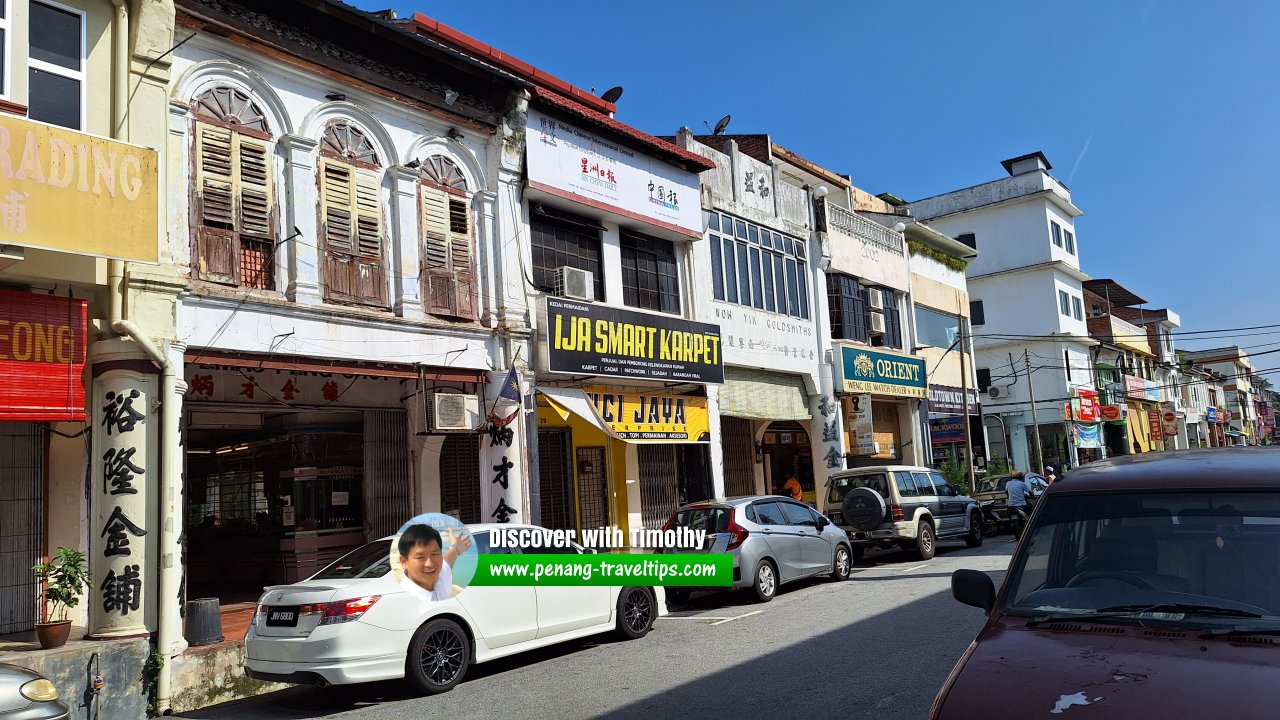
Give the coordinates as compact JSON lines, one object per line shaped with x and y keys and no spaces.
{"x":767,"y":531}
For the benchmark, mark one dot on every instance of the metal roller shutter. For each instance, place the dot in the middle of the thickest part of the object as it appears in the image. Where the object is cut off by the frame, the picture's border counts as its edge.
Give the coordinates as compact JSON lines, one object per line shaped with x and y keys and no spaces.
{"x":739,"y":456}
{"x":387,"y":502}
{"x":658,"y":494}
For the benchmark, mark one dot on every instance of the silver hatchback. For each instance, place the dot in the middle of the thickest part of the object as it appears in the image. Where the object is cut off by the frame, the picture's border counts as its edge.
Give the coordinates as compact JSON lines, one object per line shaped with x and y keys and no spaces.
{"x":773,"y":540}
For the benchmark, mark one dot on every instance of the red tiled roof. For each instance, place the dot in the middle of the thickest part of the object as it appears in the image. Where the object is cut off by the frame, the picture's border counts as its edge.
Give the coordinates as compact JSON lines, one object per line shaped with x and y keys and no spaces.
{"x":690,"y":160}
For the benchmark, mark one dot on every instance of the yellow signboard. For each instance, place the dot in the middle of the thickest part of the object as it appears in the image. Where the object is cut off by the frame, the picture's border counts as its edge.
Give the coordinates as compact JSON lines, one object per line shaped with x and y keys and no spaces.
{"x":71,"y":192}
{"x":645,"y":417}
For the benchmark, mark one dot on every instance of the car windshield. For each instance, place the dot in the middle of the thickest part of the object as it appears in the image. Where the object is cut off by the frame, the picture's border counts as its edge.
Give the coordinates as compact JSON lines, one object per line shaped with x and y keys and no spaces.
{"x":1126,"y":552}
{"x":840,"y":486}
{"x":371,"y":560}
{"x":711,"y":519}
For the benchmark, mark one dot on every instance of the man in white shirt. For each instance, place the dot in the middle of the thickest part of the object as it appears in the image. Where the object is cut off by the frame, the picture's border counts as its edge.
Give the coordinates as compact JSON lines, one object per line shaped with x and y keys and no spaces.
{"x":428,"y":569}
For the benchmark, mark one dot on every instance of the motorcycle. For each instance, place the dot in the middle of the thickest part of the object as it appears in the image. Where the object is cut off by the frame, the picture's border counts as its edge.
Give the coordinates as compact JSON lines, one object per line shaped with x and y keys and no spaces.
{"x":997,"y":519}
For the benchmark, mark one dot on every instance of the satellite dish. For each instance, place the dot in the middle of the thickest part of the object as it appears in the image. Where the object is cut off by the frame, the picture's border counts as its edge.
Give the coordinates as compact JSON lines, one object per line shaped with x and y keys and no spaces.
{"x":612,"y":94}
{"x":720,"y":126}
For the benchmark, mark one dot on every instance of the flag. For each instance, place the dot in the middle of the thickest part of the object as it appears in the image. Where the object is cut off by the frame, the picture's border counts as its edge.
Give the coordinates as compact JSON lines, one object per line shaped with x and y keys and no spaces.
{"x":511,"y":387}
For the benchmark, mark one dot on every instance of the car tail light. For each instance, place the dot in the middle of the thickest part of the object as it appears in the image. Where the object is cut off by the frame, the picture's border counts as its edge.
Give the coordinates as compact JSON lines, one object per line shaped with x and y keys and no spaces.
{"x":342,"y":611}
{"x":737,"y":533}
{"x":670,"y":521}
{"x":897,"y":514}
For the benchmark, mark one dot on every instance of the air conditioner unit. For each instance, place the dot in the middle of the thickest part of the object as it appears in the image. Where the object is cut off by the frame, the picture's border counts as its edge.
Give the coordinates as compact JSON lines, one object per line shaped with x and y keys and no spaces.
{"x":995,"y":392}
{"x":875,"y":324}
{"x":453,"y":412}
{"x":875,"y":299}
{"x":575,"y":284}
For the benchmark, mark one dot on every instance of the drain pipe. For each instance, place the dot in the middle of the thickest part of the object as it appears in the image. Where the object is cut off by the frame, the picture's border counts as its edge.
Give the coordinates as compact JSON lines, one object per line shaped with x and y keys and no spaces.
{"x":170,"y":469}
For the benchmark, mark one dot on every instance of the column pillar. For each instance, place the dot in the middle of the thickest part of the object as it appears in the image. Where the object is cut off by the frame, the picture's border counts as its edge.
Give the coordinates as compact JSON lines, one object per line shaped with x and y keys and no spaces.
{"x":405,"y":270}
{"x":301,"y":211}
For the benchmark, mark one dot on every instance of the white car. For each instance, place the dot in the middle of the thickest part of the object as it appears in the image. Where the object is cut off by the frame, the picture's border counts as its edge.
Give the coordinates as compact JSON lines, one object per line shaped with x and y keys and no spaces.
{"x":351,"y":622}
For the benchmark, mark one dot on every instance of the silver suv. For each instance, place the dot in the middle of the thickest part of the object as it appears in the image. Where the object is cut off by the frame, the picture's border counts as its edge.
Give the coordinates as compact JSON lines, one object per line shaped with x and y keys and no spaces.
{"x":901,"y":505}
{"x":773,"y":540}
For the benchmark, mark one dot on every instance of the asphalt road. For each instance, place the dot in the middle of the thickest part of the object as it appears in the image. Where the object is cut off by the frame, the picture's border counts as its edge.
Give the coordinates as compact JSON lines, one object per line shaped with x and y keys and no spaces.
{"x":876,"y":646}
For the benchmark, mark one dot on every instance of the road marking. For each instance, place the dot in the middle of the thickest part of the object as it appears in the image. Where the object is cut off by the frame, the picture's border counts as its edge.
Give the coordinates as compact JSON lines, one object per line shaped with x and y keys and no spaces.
{"x":703,"y":618}
{"x":913,"y":568}
{"x":738,"y":617}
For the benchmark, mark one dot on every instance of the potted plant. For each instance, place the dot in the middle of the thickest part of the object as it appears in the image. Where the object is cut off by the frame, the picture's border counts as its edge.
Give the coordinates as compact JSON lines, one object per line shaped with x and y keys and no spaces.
{"x":63,"y":580}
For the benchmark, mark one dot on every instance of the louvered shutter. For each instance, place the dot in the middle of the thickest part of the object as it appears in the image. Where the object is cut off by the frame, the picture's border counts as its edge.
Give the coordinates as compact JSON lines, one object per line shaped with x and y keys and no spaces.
{"x":215,"y":205}
{"x":335,"y":206}
{"x":437,"y":275}
{"x":351,"y":205}
{"x":371,"y":280}
{"x":255,"y":187}
{"x":460,"y":258}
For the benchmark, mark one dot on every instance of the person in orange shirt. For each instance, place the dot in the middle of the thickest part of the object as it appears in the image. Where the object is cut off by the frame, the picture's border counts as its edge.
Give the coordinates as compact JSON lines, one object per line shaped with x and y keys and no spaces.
{"x":792,"y":487}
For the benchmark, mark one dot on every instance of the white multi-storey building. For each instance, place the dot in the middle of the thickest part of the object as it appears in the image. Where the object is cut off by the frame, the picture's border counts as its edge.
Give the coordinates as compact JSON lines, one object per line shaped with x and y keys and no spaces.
{"x":1029,"y":329}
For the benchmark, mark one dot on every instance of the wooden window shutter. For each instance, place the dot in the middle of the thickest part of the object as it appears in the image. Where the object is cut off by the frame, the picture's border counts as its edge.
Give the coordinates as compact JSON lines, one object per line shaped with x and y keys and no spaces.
{"x":368,"y":213}
{"x":335,"y":206}
{"x":255,"y":187}
{"x":215,"y":256}
{"x":351,"y":205}
{"x":460,"y":258}
{"x":439,"y":293}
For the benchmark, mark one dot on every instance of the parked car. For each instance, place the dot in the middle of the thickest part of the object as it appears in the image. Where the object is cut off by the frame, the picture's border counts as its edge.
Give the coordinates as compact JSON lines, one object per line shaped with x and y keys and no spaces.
{"x":28,"y":695}
{"x":1144,"y":585}
{"x":351,"y":622}
{"x":994,"y":500}
{"x":773,"y":540}
{"x":901,"y":506}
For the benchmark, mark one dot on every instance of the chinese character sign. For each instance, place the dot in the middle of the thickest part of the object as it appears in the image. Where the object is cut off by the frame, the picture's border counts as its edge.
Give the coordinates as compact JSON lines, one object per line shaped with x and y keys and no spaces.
{"x":124,"y":461}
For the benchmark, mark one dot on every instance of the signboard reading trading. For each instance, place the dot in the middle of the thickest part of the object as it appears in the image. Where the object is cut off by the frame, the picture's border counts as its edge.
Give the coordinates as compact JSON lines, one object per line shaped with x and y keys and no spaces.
{"x":584,"y":339}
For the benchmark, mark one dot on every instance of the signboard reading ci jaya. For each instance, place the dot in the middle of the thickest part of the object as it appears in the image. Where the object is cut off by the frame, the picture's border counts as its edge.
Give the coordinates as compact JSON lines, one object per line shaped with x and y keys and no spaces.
{"x":874,"y":371}
{"x":586,"y":339}
{"x":642,"y":417}
{"x":566,"y":161}
{"x":71,"y":192}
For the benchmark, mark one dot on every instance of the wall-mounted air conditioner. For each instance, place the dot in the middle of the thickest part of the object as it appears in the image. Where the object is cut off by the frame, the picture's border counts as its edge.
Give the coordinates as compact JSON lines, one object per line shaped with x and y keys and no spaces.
{"x":575,"y":284}
{"x":448,"y":412}
{"x":875,"y":299}
{"x":995,"y":392}
{"x":875,"y":324}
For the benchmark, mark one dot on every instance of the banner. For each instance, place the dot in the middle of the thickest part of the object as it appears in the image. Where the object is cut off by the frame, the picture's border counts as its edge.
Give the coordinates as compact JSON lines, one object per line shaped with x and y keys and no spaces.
{"x":581,"y":166}
{"x":645,"y":417}
{"x":587,"y":339}
{"x":1088,"y":436}
{"x":67,"y":191}
{"x":882,"y":373}
{"x":1086,"y":409}
{"x":861,"y":426}
{"x":42,"y":354}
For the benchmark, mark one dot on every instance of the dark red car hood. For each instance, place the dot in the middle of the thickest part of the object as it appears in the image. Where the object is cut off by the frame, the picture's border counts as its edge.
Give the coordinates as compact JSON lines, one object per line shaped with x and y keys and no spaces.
{"x":1013,"y":671}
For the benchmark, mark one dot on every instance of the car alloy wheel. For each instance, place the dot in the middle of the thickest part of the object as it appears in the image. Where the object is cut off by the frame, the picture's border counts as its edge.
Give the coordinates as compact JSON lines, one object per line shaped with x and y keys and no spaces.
{"x":766,"y":581}
{"x":442,"y":655}
{"x":843,"y":564}
{"x":636,"y":611}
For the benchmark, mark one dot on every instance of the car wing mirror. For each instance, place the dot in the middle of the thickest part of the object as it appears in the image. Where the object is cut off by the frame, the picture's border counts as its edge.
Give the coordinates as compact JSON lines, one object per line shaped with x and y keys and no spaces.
{"x":823,"y":522}
{"x":973,"y":587}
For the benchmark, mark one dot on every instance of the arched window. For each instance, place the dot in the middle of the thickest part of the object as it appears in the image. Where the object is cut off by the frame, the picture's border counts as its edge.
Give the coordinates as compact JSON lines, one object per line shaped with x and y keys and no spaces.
{"x":448,"y":265}
{"x":351,"y":216}
{"x":234,"y":216}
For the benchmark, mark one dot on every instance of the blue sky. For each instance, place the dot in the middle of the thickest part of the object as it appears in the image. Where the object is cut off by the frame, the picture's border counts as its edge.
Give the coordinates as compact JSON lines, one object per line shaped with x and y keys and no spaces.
{"x":1161,"y":116}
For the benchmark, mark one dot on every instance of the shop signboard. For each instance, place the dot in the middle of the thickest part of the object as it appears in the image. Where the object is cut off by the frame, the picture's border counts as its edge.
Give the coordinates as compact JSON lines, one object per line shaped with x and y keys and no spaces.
{"x":1153,"y":423}
{"x":1111,"y":413}
{"x":569,"y":162}
{"x":42,"y":354}
{"x":1087,"y":405}
{"x":883,"y":373}
{"x":946,"y":429}
{"x":647,"y":417}
{"x":950,"y":400}
{"x":1141,"y":389}
{"x":589,"y":339}
{"x":1211,"y":415}
{"x":71,"y":192}
{"x":861,"y":426}
{"x":1169,"y":422}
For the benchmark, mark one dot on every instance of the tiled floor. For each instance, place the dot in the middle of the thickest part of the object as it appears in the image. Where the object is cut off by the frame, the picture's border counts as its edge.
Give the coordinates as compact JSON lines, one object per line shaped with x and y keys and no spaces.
{"x":235,"y":622}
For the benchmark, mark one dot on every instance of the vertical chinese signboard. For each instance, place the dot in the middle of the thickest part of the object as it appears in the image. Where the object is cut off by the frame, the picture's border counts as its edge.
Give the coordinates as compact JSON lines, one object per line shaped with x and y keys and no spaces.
{"x":124,"y":463}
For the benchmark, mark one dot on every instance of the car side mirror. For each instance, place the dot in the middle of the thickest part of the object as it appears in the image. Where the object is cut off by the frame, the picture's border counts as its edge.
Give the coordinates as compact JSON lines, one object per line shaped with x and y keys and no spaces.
{"x":973,"y":587}
{"x":823,"y":522}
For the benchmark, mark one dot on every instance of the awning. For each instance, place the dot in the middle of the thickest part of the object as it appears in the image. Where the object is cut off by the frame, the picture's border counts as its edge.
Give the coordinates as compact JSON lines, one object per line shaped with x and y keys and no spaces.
{"x":1235,"y":433}
{"x":760,"y":395}
{"x":568,"y":400}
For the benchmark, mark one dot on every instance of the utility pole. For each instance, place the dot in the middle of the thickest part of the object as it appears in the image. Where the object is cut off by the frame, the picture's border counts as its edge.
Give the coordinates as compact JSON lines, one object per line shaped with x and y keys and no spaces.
{"x":1035,"y":424}
{"x":964,"y":391}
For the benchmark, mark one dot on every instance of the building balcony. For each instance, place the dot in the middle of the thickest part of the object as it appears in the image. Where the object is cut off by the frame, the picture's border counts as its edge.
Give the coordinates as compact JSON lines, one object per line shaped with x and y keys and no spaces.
{"x":863,"y":248}
{"x":1121,"y":333}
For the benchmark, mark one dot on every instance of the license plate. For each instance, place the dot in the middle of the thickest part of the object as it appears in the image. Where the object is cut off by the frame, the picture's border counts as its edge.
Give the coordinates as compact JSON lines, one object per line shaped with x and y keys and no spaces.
{"x":282,"y":617}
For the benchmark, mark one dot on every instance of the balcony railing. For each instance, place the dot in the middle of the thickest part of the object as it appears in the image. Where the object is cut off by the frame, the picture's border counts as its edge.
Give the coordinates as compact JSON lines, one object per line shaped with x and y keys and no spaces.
{"x":857,"y":226}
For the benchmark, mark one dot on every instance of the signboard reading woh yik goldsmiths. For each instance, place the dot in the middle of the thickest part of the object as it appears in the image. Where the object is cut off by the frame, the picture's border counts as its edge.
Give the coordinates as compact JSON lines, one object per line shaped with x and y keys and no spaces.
{"x":584,"y":339}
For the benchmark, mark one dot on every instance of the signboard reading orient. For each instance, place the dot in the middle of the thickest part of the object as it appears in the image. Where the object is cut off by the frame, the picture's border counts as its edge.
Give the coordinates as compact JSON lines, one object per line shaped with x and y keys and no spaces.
{"x":586,"y":339}
{"x":578,"y":165}
{"x":882,"y":373}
